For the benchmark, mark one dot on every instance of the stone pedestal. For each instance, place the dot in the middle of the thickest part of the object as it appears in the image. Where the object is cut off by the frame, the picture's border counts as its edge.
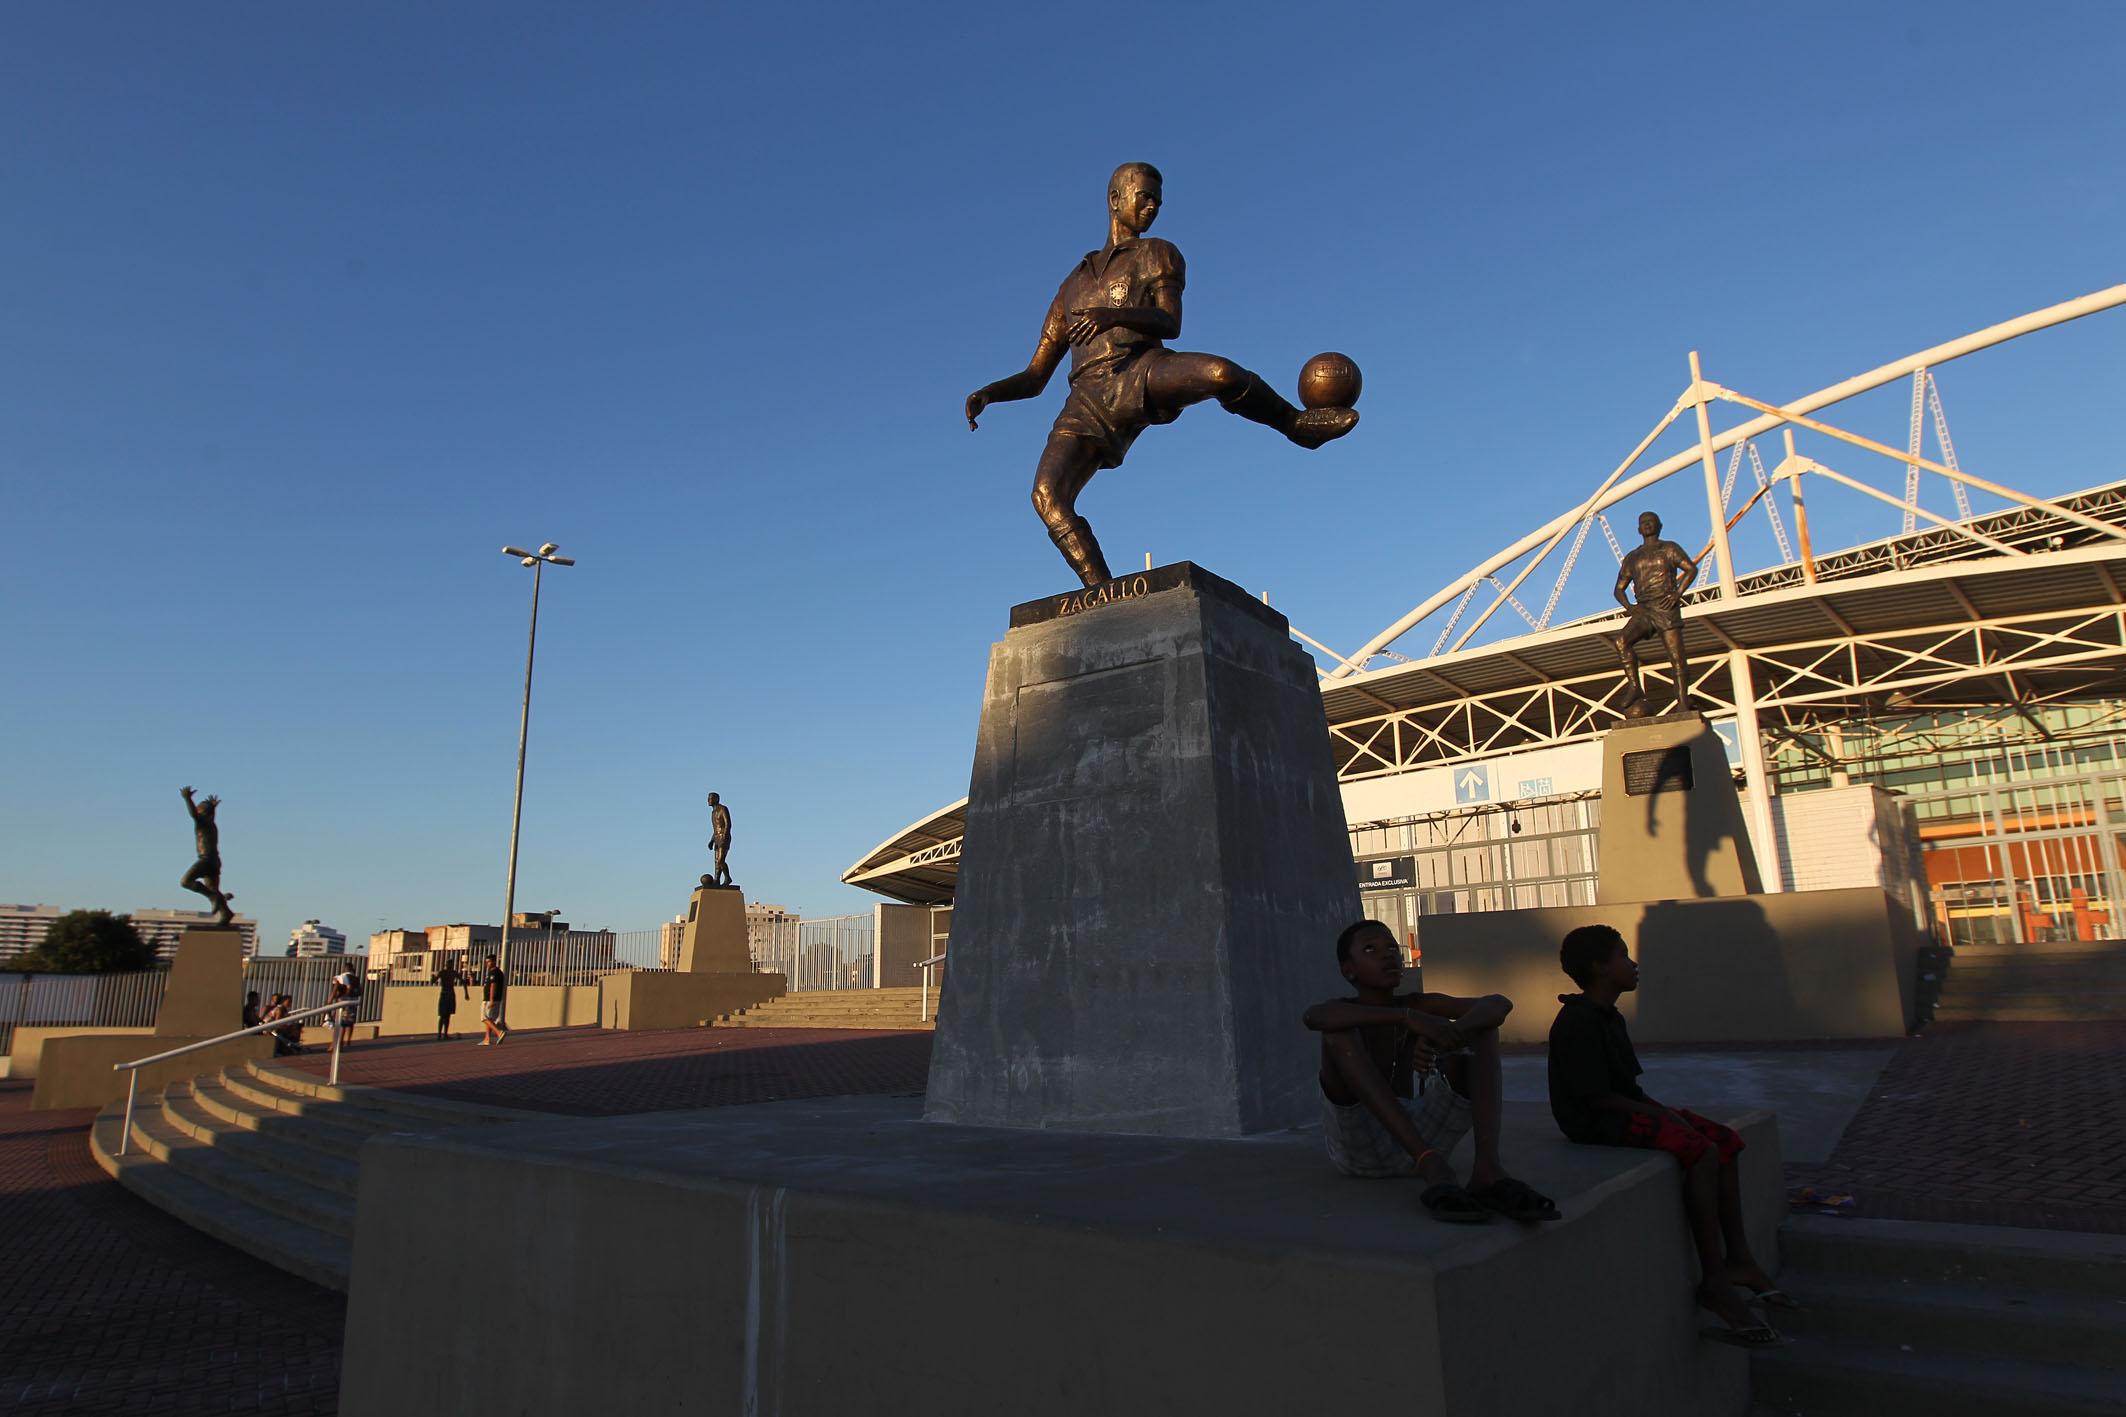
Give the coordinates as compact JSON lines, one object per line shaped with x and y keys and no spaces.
{"x":1154,"y":872}
{"x":715,"y":938}
{"x":204,"y":996}
{"x":1672,"y":824}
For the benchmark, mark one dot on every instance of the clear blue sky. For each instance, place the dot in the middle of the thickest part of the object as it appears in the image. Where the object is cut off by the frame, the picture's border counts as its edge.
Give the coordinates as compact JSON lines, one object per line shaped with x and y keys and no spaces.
{"x":306,"y":310}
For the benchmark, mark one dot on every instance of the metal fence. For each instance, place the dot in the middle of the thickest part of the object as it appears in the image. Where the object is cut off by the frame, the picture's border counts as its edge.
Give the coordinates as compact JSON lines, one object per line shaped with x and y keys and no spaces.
{"x":308,"y":982}
{"x":130,"y":1000}
{"x":2025,"y":861}
{"x":78,"y":1001}
{"x":832,"y":952}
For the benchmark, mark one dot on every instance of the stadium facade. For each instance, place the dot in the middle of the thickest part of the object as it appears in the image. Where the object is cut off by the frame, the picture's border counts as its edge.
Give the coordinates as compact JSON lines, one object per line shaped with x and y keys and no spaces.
{"x":1938,"y":711}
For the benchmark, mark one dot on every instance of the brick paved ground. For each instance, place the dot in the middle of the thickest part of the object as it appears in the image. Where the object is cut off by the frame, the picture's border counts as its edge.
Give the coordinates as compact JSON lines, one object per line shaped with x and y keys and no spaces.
{"x":1992,"y":1124}
{"x":590,"y":1072}
{"x":108,"y":1305}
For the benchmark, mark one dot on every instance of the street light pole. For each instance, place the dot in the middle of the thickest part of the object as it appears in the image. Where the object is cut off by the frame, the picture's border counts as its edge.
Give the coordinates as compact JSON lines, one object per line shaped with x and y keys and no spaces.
{"x":538,"y":560}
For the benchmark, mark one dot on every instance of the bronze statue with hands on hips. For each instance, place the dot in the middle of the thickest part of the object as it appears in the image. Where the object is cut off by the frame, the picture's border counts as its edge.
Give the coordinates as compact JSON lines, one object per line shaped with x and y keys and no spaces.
{"x":1113,"y":314}
{"x":1658,"y":572}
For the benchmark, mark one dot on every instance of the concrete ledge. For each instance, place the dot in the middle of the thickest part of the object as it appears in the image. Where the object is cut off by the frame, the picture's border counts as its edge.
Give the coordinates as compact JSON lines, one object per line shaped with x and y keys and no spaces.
{"x":77,"y":1071}
{"x":1743,"y":969}
{"x":844,"y":1256}
{"x":28,"y":1044}
{"x":411,"y":1009}
{"x":669,"y":999}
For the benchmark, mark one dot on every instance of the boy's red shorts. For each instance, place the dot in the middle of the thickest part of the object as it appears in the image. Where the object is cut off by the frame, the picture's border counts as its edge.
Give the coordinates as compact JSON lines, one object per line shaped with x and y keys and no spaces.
{"x":1686,"y":1144}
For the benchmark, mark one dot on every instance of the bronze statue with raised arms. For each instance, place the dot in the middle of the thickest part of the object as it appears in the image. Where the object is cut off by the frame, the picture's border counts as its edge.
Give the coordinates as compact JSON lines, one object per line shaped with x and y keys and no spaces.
{"x":205,"y":876}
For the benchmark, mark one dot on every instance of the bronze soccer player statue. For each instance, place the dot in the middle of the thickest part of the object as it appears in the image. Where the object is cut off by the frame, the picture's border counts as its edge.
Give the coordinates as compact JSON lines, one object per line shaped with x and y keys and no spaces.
{"x":205,"y":876}
{"x":1113,"y":313}
{"x":719,"y":841}
{"x":1658,"y":572}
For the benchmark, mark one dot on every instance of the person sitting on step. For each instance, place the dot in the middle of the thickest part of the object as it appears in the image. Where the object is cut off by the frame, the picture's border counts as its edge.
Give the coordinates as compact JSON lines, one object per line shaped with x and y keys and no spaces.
{"x":1596,"y":1098}
{"x":1404,"y":1076}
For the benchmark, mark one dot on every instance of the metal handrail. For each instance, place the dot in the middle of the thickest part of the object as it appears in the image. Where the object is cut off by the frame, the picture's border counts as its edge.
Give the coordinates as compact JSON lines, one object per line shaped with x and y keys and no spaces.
{"x":132,"y":1091}
{"x":924,"y":965}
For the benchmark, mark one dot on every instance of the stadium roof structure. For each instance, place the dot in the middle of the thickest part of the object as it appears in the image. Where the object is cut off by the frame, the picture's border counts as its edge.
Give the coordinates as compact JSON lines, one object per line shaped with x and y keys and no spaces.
{"x":2021,"y":606}
{"x":919,"y":864}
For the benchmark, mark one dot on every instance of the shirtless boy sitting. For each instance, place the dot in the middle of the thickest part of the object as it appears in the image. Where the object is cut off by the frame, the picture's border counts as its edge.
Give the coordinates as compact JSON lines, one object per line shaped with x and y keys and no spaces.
{"x":1403,"y":1076}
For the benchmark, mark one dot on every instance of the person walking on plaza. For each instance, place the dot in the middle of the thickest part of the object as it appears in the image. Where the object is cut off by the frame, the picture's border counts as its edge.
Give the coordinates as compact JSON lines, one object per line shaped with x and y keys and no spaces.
{"x":345,"y":985}
{"x":449,"y":984}
{"x":494,"y":996}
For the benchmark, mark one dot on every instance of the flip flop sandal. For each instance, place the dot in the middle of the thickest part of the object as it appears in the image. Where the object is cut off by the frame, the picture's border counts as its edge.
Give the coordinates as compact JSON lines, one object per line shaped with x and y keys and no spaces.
{"x":1516,"y":1200}
{"x":1448,"y":1202}
{"x":1774,"y":1298}
{"x":1755,"y":1336}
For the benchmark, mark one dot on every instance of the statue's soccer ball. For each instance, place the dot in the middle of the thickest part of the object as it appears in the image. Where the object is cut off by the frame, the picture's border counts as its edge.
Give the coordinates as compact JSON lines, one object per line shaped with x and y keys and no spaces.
{"x":1330,"y":381}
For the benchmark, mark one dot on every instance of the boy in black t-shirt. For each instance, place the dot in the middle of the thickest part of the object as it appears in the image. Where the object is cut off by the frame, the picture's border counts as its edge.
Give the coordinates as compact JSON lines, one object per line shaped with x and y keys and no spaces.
{"x":1596,"y":1098}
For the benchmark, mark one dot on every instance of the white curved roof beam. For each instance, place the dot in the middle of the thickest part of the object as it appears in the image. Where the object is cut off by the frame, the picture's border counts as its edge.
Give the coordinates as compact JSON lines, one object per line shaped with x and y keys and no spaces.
{"x":1992,"y":335}
{"x":1811,"y":465}
{"x":1589,"y":506}
{"x":1954,"y":474}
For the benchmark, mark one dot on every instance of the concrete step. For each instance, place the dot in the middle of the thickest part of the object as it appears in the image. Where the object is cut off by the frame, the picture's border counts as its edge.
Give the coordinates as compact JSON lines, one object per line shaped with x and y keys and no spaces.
{"x":371,"y":1106}
{"x":318,"y":1133}
{"x":2035,"y":1261}
{"x":850,"y":1025}
{"x":1834,"y":1378}
{"x":267,"y":1094}
{"x":2002,"y":1320}
{"x":320,"y":1256}
{"x":2040,"y":1006}
{"x":2081,"y":950}
{"x":2070,"y":969}
{"x":308,"y":1165}
{"x":255,"y":1186}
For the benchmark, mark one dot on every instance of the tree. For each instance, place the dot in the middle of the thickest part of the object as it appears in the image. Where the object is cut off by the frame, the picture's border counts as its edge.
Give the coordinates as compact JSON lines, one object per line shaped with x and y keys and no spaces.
{"x":88,"y":942}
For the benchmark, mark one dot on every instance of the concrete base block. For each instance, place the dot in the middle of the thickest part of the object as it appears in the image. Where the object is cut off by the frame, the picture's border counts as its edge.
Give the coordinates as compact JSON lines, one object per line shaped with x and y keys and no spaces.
{"x":658,"y":999}
{"x":412,"y":1009}
{"x":714,"y":941}
{"x":1757,"y":968}
{"x":1154,"y":872}
{"x":76,"y":1070}
{"x":204,"y":996}
{"x":26,"y":1049}
{"x":839,"y":1257}
{"x":1671,"y":818}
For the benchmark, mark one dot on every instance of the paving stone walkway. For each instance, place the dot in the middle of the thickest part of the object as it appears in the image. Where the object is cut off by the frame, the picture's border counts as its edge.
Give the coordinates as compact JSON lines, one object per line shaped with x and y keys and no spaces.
{"x":1992,"y":1124}
{"x":591,"y":1072}
{"x":108,"y":1305}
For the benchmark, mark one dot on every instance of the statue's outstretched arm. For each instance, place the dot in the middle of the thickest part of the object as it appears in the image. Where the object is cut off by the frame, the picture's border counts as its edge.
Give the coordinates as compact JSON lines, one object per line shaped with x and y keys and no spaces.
{"x":1030,"y":381}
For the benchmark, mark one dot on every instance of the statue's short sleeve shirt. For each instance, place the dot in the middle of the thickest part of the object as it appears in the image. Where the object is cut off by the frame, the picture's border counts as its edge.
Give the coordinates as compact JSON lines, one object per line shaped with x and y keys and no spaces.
{"x":1107,"y":404}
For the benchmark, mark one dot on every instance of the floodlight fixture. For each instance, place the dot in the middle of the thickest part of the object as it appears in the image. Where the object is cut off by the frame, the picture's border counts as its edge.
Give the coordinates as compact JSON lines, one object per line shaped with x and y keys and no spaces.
{"x":538,"y":561}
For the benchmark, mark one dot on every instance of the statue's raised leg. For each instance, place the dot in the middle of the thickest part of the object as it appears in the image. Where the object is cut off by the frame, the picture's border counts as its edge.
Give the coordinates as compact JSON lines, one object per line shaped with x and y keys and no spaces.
{"x":1183,"y":378}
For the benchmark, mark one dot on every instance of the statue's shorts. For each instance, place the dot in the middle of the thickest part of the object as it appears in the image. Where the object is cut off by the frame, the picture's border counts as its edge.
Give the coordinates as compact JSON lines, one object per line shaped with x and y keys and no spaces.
{"x":1647,"y":620}
{"x":1109,"y":407}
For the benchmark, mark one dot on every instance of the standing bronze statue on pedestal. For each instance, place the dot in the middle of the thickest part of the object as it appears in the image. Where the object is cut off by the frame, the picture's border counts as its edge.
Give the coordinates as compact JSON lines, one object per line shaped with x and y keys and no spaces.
{"x":1658,"y":572}
{"x":205,"y":876}
{"x":1113,"y":313}
{"x":719,"y":841}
